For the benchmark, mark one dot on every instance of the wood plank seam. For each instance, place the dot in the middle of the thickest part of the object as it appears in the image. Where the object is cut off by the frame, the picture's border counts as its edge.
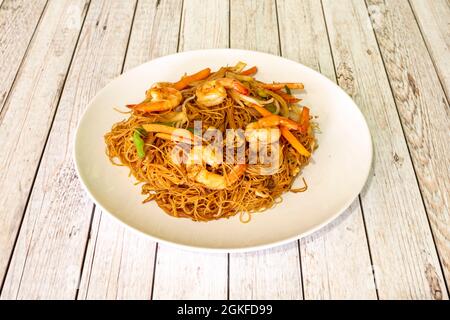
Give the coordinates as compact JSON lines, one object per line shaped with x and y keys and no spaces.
{"x":85,"y":251}
{"x":23,"y":58}
{"x":301,"y":268}
{"x":154,"y":267}
{"x":405,"y":136}
{"x":180,"y":27}
{"x":431,"y":56}
{"x":43,"y":149}
{"x":368,"y":246}
{"x":279,"y":48}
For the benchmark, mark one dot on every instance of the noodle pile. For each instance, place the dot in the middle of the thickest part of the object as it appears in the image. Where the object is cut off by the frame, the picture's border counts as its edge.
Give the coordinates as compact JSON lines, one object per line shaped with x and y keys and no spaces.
{"x":167,"y":182}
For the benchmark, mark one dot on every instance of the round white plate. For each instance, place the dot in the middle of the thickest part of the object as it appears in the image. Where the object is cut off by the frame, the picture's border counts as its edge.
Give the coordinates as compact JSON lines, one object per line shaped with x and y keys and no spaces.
{"x":336,"y":174}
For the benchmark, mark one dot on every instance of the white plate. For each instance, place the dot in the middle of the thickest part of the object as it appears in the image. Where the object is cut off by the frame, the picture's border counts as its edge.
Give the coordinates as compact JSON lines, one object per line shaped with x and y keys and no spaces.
{"x":336,"y":174}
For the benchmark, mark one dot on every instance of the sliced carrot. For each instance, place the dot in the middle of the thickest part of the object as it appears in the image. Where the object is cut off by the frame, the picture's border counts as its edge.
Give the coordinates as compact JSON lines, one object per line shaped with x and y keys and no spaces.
{"x":294,"y":142}
{"x":249,"y":71}
{"x":304,"y":120}
{"x":185,"y":81}
{"x":285,"y":132}
{"x":279,"y":86}
{"x":287,"y":97}
{"x":276,"y":120}
{"x":263,"y":111}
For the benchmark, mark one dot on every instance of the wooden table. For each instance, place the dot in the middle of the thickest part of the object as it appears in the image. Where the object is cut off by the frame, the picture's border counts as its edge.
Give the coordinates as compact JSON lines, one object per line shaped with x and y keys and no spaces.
{"x":391,"y":56}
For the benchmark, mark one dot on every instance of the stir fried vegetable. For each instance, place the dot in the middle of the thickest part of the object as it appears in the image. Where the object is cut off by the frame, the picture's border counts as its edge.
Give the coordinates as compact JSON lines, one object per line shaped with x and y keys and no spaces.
{"x":304,"y":119}
{"x":185,"y":81}
{"x":250,"y":71}
{"x":138,"y":135}
{"x":294,"y":142}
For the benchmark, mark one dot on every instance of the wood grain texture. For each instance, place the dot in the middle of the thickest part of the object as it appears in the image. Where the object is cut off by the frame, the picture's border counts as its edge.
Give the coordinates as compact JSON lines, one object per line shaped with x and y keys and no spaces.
{"x":423,"y":110}
{"x":433,"y":18}
{"x":335,"y":260}
{"x":18,"y":21}
{"x":119,"y":262}
{"x":254,"y":26}
{"x":184,"y":274}
{"x":180,"y":274}
{"x":401,"y":244}
{"x":280,"y":278}
{"x":48,"y":256}
{"x":266,"y":274}
{"x":28,"y":113}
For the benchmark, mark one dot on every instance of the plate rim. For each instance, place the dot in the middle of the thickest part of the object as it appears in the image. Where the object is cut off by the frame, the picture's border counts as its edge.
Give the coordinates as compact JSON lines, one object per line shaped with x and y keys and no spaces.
{"x":248,"y":248}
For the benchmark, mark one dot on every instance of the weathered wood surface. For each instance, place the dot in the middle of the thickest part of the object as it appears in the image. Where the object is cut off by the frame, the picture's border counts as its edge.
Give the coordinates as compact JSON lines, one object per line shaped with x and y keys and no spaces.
{"x":49,"y":252}
{"x":28,"y":114}
{"x":403,"y":252}
{"x":433,"y":18}
{"x":390,"y":56}
{"x":130,"y":275}
{"x":18,"y":21}
{"x":336,"y":260}
{"x":423,"y":110}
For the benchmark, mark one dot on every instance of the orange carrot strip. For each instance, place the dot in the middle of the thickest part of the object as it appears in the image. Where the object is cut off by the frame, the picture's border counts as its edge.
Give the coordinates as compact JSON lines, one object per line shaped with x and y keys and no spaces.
{"x":287,"y":97}
{"x":185,"y":81}
{"x":249,"y":71}
{"x":294,"y":142}
{"x":263,"y":111}
{"x":304,"y":120}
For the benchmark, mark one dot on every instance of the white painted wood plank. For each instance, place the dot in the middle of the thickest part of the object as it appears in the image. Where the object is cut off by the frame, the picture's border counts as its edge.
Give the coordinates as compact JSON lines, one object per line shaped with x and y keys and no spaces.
{"x":18,"y":21}
{"x":335,"y":260}
{"x":28,"y":113}
{"x":266,"y":274}
{"x":433,"y":18}
{"x":120,"y":262}
{"x":184,"y":274}
{"x":254,"y":27}
{"x":180,"y":274}
{"x":399,"y":235}
{"x":423,"y":110}
{"x":48,"y":256}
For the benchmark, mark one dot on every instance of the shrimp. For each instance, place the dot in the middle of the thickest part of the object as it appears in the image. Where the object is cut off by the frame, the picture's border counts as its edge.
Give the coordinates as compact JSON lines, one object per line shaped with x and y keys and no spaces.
{"x":255,"y":132}
{"x":213,"y":92}
{"x":160,"y":98}
{"x":266,"y":130}
{"x":200,"y":174}
{"x":275,"y":120}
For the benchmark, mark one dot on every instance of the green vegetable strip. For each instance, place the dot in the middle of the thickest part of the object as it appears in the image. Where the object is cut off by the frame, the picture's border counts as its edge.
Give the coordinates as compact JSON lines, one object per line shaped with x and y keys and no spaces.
{"x":139,"y":142}
{"x":288,"y":91}
{"x":271,"y":107}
